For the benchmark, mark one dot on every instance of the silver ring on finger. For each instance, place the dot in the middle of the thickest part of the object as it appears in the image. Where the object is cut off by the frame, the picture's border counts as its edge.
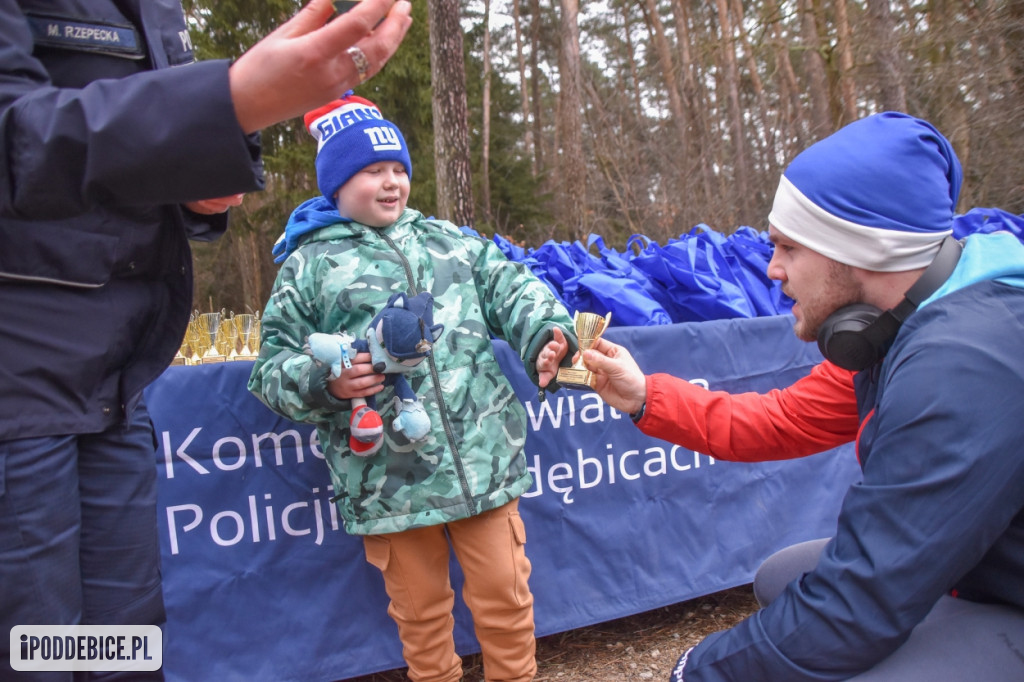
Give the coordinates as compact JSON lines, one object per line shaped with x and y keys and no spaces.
{"x":362,"y":64}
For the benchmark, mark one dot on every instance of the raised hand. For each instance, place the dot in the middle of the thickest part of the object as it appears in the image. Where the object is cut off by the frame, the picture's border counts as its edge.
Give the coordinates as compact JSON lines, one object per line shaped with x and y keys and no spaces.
{"x":309,"y":61}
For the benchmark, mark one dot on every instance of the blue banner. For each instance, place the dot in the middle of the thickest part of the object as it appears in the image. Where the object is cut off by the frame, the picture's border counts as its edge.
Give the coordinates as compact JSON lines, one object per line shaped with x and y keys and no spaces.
{"x":262,"y":583}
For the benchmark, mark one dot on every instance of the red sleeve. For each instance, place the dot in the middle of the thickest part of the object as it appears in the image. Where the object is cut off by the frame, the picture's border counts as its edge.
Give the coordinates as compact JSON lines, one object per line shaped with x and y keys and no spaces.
{"x":814,"y":414}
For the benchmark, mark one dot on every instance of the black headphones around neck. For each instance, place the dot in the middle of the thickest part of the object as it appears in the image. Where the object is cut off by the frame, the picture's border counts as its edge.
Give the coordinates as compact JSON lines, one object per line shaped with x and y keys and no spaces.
{"x":859,"y":335}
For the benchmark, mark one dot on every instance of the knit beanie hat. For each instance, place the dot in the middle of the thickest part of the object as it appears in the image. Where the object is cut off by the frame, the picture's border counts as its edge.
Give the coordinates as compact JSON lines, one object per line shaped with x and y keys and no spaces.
{"x":879,"y":194}
{"x":352,"y":134}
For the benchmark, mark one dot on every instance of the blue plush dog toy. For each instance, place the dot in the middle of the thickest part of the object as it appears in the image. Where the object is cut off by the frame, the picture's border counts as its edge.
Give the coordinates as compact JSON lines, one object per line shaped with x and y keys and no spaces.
{"x":398,"y":339}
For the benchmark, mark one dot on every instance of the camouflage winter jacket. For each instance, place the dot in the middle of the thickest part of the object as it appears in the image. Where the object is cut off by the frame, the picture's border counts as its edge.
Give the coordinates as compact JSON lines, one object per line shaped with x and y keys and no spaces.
{"x":337,"y":278}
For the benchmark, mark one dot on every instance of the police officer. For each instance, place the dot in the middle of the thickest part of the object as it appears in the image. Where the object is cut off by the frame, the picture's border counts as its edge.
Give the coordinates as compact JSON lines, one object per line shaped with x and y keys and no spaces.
{"x":115,"y":149}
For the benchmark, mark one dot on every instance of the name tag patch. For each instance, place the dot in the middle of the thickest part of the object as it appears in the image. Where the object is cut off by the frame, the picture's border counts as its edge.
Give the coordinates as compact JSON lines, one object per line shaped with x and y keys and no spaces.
{"x":90,"y":36}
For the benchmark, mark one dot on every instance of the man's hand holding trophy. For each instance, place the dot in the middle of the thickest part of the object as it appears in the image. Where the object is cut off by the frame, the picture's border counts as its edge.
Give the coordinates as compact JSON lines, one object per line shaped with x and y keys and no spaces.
{"x":589,"y":327}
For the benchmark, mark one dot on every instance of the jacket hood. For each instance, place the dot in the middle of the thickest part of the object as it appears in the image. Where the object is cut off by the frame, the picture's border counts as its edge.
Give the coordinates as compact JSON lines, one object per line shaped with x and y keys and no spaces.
{"x":998,"y":256}
{"x":309,"y":216}
{"x":310,"y":220}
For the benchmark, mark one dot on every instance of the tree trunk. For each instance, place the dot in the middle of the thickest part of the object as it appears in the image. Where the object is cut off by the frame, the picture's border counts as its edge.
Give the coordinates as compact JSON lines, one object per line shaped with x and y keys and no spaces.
{"x":538,"y":129}
{"x":631,"y":58}
{"x":485,"y":107}
{"x":572,"y":171}
{"x":735,"y":113}
{"x":793,"y":124}
{"x":696,"y":145}
{"x":524,"y":91}
{"x":814,"y":66}
{"x":451,"y":123}
{"x":612,"y":157}
{"x":763,"y":129}
{"x":668,"y":70}
{"x":844,"y":44}
{"x":891,"y":89}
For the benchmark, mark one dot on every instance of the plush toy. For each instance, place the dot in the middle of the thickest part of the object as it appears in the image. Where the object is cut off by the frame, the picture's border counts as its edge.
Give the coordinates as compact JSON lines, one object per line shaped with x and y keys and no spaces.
{"x":398,"y":339}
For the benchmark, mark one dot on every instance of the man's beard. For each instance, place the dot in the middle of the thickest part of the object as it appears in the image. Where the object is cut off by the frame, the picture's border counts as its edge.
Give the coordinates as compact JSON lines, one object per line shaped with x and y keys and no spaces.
{"x":839,"y":289}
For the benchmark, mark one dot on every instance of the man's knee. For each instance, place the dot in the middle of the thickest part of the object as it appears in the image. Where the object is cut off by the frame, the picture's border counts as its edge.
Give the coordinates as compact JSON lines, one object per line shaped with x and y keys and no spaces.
{"x":785,"y":566}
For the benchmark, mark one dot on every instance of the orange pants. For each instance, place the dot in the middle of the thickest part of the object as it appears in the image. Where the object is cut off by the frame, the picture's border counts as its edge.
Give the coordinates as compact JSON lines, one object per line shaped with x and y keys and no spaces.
{"x":490,"y":549}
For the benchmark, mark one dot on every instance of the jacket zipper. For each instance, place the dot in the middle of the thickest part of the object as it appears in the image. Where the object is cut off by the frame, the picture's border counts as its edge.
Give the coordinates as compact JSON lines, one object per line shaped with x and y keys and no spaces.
{"x":436,"y":380}
{"x":49,"y":280}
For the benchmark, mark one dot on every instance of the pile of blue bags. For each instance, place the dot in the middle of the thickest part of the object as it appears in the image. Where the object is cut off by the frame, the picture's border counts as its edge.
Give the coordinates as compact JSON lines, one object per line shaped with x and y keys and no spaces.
{"x":701,"y":275}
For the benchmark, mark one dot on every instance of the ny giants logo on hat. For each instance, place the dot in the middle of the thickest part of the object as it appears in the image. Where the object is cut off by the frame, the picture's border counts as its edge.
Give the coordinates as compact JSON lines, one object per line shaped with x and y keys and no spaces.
{"x":383,"y":139}
{"x":336,"y":120}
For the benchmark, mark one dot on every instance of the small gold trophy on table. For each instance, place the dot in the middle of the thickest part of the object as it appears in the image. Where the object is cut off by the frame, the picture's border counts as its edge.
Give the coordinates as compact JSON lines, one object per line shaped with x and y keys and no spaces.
{"x":227,"y":339}
{"x":589,"y":327}
{"x":209,"y":331}
{"x":245,"y":324}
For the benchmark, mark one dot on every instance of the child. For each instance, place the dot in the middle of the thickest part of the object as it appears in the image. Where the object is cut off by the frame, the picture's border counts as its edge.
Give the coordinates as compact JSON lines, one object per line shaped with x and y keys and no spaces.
{"x":345,"y":254}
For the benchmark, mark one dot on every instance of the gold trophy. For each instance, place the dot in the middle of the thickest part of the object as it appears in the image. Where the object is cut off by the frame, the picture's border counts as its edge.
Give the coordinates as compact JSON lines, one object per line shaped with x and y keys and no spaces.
{"x":180,"y":358}
{"x":245,"y":324}
{"x":227,"y":339}
{"x":589,"y":327}
{"x":209,"y":330}
{"x":194,"y":340}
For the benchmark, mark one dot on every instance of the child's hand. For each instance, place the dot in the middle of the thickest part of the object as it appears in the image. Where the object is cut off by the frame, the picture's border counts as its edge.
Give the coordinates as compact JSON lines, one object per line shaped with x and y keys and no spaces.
{"x":357,"y":381}
{"x":550,"y":357}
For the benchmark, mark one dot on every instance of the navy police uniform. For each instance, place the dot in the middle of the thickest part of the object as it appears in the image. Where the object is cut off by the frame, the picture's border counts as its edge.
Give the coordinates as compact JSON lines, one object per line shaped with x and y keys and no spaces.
{"x":107,"y":128}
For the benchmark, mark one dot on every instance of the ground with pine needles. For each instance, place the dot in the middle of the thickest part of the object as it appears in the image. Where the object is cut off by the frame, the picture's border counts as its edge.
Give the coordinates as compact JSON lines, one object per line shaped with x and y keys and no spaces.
{"x":644,"y":646}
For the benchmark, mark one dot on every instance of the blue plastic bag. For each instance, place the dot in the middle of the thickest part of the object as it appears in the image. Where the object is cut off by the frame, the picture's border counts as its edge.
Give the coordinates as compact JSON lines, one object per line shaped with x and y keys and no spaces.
{"x":702,"y":275}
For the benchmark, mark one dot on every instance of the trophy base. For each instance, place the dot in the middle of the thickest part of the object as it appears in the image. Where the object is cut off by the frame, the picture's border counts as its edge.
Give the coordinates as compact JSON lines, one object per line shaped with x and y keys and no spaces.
{"x":210,"y":359}
{"x":576,"y":379}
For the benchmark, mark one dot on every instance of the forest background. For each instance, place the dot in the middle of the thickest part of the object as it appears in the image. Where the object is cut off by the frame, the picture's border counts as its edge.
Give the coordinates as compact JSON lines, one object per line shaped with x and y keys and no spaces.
{"x":547,"y":120}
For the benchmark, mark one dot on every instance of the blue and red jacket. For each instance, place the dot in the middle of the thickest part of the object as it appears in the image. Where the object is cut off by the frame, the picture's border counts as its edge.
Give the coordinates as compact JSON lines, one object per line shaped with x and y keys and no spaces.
{"x":106,"y":129}
{"x":940,"y":507}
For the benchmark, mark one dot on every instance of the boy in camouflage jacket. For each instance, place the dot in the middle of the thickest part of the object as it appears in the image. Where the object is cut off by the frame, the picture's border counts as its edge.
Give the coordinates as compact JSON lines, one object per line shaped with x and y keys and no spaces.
{"x":462,"y":483}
